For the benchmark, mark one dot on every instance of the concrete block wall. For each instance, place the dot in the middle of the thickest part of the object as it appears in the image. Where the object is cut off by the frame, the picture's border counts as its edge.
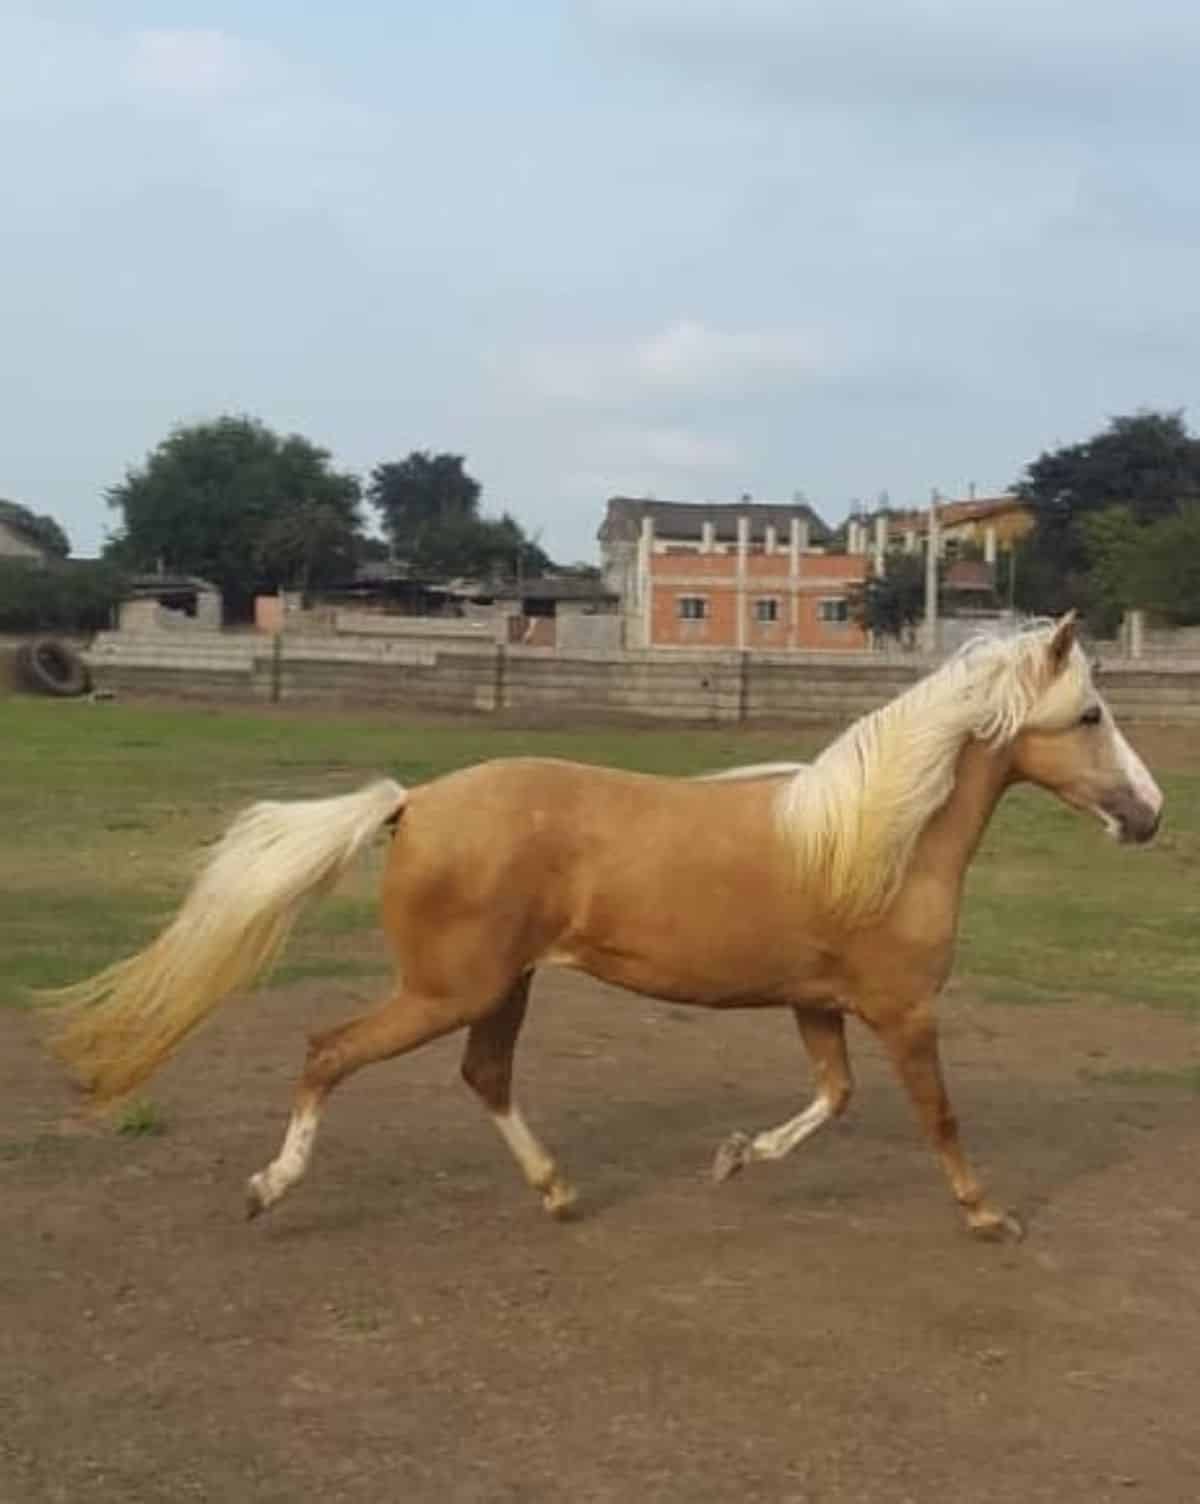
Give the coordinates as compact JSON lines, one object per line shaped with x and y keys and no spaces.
{"x":389,"y":675}
{"x":191,"y":665}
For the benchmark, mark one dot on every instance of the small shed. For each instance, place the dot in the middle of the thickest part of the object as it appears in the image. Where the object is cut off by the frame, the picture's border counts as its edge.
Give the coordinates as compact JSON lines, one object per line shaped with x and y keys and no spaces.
{"x":168,"y":602}
{"x":567,"y":612}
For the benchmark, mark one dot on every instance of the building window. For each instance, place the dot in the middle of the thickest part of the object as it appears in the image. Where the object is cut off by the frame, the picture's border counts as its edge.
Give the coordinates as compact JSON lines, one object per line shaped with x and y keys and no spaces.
{"x":692,"y":608}
{"x":766,"y":610}
{"x":833,"y":612}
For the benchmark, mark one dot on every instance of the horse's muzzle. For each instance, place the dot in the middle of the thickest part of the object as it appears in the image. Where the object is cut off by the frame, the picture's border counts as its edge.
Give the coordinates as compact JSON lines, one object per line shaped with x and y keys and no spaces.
{"x":1137,"y":822}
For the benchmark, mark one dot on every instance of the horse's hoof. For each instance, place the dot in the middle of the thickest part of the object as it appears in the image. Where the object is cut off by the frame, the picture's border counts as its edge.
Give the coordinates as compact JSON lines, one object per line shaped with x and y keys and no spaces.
{"x":732,"y":1156}
{"x":256,"y":1203}
{"x":996,"y":1227}
{"x":559,"y":1200}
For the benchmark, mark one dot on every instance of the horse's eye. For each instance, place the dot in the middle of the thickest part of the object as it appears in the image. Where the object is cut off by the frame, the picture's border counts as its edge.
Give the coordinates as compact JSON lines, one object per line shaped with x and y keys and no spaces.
{"x":1091,"y":716}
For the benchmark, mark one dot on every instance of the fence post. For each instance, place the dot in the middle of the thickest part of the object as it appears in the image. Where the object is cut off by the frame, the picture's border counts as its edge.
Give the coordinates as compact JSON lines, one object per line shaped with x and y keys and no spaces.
{"x":276,"y":667}
{"x":743,"y":709}
{"x":498,"y":684}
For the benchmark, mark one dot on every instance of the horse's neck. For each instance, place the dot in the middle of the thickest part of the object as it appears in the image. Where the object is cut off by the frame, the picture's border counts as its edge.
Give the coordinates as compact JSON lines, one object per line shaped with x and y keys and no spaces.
{"x":947,"y":844}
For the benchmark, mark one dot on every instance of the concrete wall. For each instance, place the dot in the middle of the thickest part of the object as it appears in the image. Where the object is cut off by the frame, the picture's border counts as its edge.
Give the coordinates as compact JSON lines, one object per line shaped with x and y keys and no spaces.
{"x":399,"y":676}
{"x":1171,"y":642}
{"x":427,"y":628}
{"x":578,"y":631}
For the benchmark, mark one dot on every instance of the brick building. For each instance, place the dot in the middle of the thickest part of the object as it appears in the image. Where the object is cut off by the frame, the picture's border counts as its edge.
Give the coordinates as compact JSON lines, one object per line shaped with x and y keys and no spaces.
{"x":747,"y":575}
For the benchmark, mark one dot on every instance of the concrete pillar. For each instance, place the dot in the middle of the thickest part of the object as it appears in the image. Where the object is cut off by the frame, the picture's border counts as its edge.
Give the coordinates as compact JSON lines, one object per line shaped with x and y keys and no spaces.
{"x":797,"y":540}
{"x":646,"y":582}
{"x":1136,"y":626}
{"x":708,"y":537}
{"x":881,"y":542}
{"x":989,"y":546}
{"x":933,"y":549}
{"x":743,"y":548}
{"x":772,"y":541}
{"x":795,"y":545}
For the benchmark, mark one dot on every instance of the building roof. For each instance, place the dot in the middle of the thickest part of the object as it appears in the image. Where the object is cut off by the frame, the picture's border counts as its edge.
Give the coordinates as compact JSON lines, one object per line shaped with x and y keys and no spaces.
{"x":141,"y":585}
{"x":560,"y":588}
{"x":950,"y":513}
{"x":686,"y":519}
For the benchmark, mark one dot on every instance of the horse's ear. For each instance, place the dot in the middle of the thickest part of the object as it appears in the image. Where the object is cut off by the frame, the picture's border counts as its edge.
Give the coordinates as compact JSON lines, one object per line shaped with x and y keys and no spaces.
{"x":1062,"y":640}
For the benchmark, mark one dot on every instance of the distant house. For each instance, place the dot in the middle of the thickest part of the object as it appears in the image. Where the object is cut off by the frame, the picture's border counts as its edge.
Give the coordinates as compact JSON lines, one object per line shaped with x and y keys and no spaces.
{"x":561,"y":611}
{"x":156,"y":601}
{"x":986,"y":525}
{"x":742,"y":575}
{"x":16,"y":543}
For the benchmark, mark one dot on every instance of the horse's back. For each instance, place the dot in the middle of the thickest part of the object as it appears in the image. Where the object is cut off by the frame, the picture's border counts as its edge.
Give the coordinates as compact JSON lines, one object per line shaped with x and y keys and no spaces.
{"x":626,"y":875}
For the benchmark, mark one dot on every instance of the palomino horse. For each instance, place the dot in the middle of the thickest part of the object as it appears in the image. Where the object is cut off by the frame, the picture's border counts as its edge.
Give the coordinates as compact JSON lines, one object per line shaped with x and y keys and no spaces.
{"x":830,"y":888}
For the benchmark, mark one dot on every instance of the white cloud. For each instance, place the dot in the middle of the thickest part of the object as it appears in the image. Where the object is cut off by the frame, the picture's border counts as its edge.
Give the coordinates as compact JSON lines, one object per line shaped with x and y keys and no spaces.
{"x":685,"y":357}
{"x":195,"y":64}
{"x":684,"y":449}
{"x":128,"y":115}
{"x":688,"y":354}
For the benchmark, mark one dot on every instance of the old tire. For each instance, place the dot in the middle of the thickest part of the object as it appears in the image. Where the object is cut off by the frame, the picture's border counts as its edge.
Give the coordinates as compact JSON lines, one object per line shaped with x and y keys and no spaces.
{"x":50,"y":667}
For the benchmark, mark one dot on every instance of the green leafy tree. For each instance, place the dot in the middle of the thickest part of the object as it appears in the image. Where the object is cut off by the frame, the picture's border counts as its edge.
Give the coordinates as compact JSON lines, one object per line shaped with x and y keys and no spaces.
{"x":1114,"y":547}
{"x":1147,"y":464}
{"x":38,"y":528}
{"x":63,"y":595}
{"x":421,"y":495}
{"x":237,"y":504}
{"x":429,"y":508}
{"x":892,"y":603}
{"x":307,"y":543}
{"x":1165,"y":570}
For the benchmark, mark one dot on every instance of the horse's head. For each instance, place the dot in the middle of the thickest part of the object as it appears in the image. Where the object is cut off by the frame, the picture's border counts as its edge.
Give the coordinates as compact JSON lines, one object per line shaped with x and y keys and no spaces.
{"x":1070,"y":744}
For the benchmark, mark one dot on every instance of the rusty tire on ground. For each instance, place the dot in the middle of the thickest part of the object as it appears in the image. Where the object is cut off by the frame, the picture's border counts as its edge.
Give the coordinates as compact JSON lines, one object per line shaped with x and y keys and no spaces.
{"x":49,"y":667}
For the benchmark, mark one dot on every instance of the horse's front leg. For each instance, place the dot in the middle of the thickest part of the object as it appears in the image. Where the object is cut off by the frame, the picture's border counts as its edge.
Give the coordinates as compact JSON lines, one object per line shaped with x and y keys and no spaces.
{"x":824,"y":1036}
{"x":910,"y":1037}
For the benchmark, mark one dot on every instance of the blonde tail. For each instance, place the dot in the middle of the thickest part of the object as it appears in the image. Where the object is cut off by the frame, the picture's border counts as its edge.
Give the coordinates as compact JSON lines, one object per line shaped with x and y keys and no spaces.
{"x":119,"y":1025}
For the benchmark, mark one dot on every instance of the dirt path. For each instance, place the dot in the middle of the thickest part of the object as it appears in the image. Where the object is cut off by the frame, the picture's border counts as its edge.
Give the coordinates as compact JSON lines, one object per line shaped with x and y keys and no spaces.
{"x":409,"y":1326}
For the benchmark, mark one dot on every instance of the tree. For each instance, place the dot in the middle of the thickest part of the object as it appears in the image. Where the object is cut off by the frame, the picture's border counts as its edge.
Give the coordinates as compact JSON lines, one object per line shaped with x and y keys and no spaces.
{"x":237,"y":504}
{"x":38,"y":528}
{"x":63,"y":595}
{"x":420,"y":495}
{"x":1147,"y":464}
{"x":429,"y":507}
{"x":892,"y":603}
{"x":1114,"y":546}
{"x":1163,"y":571}
{"x":307,"y":542}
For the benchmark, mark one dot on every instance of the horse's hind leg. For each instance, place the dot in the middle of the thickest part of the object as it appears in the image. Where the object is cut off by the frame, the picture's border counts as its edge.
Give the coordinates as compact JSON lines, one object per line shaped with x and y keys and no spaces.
{"x":487,"y":1068}
{"x":401,"y":1024}
{"x":911,"y":1040}
{"x":824,"y":1035}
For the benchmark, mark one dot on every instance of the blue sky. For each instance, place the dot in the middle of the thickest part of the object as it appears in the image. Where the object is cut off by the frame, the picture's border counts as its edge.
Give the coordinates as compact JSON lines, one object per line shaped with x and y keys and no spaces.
{"x":677,"y":247}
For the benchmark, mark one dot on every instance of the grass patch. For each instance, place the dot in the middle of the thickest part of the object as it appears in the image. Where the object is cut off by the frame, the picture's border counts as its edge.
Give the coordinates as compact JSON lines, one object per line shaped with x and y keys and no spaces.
{"x":1055,"y":910}
{"x":1186,"y":1079}
{"x":140,"y":1119}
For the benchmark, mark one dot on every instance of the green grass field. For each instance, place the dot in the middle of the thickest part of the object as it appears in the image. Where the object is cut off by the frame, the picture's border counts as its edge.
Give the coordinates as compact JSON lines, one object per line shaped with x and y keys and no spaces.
{"x":104,"y":808}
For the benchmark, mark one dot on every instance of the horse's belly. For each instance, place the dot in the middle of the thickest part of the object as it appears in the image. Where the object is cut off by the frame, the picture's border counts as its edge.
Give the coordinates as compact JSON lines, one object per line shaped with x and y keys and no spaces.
{"x":732,"y":982}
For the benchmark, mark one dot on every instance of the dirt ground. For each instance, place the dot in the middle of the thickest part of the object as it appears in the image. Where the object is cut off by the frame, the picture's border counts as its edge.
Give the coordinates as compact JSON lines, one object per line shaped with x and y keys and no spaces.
{"x":409,"y":1326}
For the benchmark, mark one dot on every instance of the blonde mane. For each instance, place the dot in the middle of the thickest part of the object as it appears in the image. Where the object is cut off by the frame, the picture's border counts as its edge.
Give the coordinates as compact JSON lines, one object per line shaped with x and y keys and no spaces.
{"x":854,"y":815}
